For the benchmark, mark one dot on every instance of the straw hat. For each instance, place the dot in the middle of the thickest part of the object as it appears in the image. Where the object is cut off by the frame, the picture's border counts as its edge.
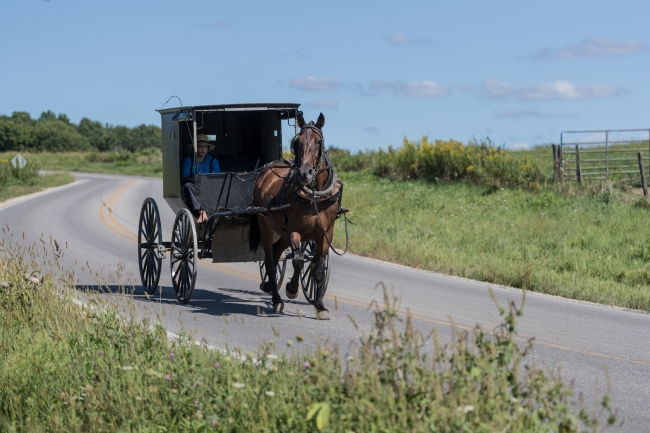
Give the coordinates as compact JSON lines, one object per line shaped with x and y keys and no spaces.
{"x":203,"y":139}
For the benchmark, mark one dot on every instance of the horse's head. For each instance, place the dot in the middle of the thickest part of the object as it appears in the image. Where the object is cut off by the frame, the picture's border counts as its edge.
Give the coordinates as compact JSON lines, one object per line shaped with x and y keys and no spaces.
{"x":308,"y":146}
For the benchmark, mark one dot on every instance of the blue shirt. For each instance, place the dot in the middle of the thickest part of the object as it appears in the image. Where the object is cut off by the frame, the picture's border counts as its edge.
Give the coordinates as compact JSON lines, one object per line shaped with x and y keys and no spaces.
{"x":209,"y":165}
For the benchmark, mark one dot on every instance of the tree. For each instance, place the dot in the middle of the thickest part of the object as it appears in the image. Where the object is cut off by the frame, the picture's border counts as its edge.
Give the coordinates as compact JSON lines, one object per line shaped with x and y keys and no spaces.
{"x":21,"y":117}
{"x":47,"y":116}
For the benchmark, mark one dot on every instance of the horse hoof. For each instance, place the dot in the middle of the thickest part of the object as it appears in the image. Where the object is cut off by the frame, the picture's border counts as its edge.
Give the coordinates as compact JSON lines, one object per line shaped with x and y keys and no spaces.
{"x":279,"y":307}
{"x":265,"y":287}
{"x":323,"y":315}
{"x":291,"y":295}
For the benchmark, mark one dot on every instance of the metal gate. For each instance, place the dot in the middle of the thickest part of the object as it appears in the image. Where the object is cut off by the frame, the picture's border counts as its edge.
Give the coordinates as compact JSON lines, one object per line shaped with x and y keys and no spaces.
{"x":602,"y":154}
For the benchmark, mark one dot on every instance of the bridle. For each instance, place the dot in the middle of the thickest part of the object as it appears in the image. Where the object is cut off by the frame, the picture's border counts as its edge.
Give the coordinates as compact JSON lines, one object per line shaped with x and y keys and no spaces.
{"x":321,"y":147}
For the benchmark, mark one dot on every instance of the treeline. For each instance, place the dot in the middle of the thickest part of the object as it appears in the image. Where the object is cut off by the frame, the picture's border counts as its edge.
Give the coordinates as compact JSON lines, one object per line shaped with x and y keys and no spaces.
{"x":56,"y":133}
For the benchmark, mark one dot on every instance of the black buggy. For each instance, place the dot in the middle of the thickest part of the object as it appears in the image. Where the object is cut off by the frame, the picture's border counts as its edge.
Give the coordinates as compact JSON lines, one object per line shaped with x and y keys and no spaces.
{"x":246,"y":137}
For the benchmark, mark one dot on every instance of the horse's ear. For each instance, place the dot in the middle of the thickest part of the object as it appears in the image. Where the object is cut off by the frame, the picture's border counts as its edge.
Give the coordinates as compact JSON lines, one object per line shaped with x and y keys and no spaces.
{"x":321,"y":121}
{"x":300,"y":120}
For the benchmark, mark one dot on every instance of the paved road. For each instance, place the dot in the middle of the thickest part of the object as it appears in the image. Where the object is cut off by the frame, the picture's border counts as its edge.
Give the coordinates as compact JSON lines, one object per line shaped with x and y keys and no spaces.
{"x":98,"y":215}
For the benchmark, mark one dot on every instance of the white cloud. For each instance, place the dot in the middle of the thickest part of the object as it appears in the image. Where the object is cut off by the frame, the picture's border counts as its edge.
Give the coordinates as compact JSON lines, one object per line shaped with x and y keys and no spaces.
{"x":313,"y":83}
{"x":528,"y":112}
{"x":401,"y":39}
{"x":496,"y":88}
{"x":544,"y":91}
{"x":413,"y":89}
{"x":324,"y":103}
{"x":593,"y":47}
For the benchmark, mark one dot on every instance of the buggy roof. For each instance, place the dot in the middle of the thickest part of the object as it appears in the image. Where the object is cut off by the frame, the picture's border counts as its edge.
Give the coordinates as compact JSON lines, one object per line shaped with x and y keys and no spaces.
{"x":233,"y":107}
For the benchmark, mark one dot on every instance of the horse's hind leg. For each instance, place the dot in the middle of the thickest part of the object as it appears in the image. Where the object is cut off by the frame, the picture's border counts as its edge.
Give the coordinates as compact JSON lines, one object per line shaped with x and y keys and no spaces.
{"x":322,"y":250}
{"x":270,"y":263}
{"x":298,"y":263}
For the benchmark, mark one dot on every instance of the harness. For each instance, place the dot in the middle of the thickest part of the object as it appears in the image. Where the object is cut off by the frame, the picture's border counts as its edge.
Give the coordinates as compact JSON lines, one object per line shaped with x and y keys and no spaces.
{"x":333,"y":189}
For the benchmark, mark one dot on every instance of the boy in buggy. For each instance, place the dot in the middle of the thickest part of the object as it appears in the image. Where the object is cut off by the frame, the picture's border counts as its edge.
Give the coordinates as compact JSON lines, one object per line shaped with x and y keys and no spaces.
{"x":206,"y":164}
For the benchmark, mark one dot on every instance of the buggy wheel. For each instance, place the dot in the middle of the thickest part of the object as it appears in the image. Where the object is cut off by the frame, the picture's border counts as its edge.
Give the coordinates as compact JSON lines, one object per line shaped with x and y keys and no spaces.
{"x":308,"y":272}
{"x":149,"y":239}
{"x":280,"y":269}
{"x":183,"y":257}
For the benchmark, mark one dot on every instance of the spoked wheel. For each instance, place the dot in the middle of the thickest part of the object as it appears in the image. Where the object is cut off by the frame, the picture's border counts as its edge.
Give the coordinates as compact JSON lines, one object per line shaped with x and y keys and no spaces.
{"x":149,"y":240}
{"x":308,"y":272}
{"x":280,"y":268}
{"x":183,"y":257}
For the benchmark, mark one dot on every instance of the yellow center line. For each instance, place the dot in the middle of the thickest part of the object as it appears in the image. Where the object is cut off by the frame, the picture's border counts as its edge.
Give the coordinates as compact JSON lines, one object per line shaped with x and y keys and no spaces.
{"x":346,"y":299}
{"x":107,"y":205}
{"x":110,"y":210}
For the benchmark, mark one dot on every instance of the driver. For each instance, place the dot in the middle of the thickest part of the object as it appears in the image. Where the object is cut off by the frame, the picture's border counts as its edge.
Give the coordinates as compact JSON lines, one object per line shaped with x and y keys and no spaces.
{"x":206,"y":164}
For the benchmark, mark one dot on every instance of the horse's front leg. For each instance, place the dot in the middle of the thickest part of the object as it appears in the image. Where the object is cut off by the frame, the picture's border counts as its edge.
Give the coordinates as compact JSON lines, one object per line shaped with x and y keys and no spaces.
{"x":322,"y":250}
{"x":270,"y":263}
{"x":298,"y":263}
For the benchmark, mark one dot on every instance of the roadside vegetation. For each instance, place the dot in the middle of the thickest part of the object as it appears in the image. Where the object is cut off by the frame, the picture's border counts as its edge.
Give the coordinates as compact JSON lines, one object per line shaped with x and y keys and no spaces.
{"x":15,"y":182}
{"x":73,"y":369}
{"x":146,"y":162}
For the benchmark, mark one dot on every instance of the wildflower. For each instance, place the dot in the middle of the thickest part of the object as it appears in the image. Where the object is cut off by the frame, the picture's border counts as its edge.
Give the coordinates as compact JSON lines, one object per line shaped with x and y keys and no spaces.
{"x":307,"y":364}
{"x":81,"y":376}
{"x":171,"y":355}
{"x":4,"y":284}
{"x":196,"y":403}
{"x":101,"y":353}
{"x":238,"y":385}
{"x":167,"y":378}
{"x":270,"y":393}
{"x":217,"y":365}
{"x":271,"y":357}
{"x":127,"y":367}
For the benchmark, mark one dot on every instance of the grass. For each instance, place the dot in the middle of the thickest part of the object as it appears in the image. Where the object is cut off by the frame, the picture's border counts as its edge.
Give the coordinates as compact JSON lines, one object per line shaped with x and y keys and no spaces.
{"x":590,"y":243}
{"x":72,"y":369}
{"x":144,"y":163}
{"x":16,"y":182}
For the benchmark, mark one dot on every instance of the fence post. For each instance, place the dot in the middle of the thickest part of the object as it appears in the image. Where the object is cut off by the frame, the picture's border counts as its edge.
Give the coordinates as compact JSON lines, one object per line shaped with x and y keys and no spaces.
{"x":578,"y":169}
{"x":556,"y":165}
{"x":643,"y":181}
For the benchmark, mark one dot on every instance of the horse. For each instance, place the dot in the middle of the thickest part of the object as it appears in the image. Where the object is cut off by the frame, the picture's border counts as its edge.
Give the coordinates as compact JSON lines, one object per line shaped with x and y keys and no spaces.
{"x":313,"y":192}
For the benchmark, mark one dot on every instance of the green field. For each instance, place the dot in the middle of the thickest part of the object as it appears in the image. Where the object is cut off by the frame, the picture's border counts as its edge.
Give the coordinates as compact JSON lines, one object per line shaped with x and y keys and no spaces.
{"x":591,"y":244}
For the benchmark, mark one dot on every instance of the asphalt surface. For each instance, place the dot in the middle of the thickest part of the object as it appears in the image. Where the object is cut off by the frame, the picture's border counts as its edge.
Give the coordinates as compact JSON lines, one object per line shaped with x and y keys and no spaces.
{"x":595,"y":346}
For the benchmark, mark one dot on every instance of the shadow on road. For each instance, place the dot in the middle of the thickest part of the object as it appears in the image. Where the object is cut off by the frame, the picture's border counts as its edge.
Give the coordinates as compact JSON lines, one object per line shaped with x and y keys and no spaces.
{"x":221,"y":302}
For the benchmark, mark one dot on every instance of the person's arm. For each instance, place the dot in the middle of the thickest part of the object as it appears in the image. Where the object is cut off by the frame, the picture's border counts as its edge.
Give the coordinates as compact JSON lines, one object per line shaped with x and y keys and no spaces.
{"x":214,"y":166}
{"x":186,"y":172}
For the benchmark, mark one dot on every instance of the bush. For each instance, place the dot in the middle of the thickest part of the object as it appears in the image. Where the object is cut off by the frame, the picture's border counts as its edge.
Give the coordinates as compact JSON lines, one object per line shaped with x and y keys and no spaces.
{"x":478,"y":161}
{"x":10,"y":176}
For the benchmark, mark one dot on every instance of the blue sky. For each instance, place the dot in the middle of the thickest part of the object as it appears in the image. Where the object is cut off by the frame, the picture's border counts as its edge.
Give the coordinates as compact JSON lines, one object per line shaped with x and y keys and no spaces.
{"x":519,"y":72}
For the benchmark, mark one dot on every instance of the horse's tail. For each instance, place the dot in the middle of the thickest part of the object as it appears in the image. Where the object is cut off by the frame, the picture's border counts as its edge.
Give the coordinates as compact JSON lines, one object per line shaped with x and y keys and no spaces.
{"x":254,"y":236}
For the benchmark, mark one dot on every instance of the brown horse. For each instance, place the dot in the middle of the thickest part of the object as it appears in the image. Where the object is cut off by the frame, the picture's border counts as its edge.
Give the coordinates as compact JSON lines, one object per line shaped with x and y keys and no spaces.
{"x":312,"y":190}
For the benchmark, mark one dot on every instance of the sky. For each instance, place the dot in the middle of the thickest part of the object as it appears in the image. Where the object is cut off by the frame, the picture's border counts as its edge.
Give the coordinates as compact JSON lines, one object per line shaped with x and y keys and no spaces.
{"x":518,"y":72}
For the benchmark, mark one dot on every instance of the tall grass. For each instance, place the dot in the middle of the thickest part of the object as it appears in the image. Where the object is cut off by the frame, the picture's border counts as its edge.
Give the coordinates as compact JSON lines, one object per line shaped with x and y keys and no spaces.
{"x":478,"y":161}
{"x":72,"y":369}
{"x":15,"y":181}
{"x":147,"y":162}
